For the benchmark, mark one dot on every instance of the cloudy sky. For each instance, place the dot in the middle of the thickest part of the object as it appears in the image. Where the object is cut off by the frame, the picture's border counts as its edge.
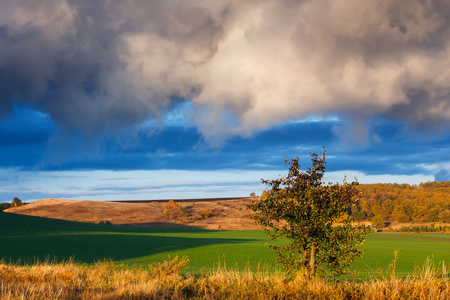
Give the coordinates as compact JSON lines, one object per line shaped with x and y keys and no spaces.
{"x":169,"y":99}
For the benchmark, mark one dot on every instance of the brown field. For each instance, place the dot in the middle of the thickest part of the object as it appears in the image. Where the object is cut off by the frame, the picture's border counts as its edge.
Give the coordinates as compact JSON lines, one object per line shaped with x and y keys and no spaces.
{"x":228,"y":214}
{"x":215,"y":214}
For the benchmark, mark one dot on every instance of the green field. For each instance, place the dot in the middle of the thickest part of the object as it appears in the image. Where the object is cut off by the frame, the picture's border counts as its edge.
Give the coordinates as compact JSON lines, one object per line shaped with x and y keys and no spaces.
{"x":27,"y":239}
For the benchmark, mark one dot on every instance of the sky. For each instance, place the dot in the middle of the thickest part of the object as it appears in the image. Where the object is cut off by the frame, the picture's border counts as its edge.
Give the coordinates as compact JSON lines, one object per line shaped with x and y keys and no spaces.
{"x":175,"y":99}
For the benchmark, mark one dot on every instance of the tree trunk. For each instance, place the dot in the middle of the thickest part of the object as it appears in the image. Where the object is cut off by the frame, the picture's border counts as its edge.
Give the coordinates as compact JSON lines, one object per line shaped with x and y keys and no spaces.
{"x":312,"y":261}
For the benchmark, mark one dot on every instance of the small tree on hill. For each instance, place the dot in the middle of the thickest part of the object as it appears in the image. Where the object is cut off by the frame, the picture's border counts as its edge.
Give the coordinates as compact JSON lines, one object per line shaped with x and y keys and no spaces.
{"x":172,"y":210}
{"x":302,"y":209}
{"x":16,"y":202}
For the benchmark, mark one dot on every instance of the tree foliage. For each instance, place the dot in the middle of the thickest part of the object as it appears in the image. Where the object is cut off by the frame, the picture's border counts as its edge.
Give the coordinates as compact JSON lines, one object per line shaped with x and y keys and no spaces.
{"x":173,"y":210}
{"x":377,"y":222}
{"x":304,"y":210}
{"x":16,"y":202}
{"x":404,"y":203}
{"x":4,"y":206}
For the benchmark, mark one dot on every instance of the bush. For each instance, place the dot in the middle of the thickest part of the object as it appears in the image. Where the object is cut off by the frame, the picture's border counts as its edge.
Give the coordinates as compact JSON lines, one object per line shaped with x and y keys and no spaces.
{"x":206,"y":214}
{"x":377,"y":222}
{"x":424,"y":228}
{"x":4,"y":206}
{"x":173,"y":210}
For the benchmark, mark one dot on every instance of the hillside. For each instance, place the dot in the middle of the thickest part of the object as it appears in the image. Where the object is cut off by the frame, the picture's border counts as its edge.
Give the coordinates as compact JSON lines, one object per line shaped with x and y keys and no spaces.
{"x":225,"y":214}
{"x":394,"y":203}
{"x":404,"y":203}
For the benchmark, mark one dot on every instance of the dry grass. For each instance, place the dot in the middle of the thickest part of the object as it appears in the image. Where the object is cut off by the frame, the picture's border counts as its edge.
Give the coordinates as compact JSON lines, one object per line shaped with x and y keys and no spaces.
{"x":108,"y":281}
{"x":225,"y":214}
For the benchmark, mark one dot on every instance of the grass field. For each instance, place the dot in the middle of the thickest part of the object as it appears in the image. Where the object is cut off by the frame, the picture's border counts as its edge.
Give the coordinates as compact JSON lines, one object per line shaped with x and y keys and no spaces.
{"x":27,"y":239}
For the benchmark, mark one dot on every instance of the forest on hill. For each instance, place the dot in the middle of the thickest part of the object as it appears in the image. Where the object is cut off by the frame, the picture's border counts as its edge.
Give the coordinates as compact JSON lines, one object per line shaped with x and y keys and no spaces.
{"x":404,"y":203}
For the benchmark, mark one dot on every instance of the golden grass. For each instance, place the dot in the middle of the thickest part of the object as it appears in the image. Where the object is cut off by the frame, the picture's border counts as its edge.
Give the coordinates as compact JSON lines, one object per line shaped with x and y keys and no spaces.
{"x":228,"y":214}
{"x":105,"y":280}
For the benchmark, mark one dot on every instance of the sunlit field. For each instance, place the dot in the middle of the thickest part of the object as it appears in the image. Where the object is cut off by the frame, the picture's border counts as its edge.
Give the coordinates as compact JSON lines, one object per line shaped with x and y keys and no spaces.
{"x":55,"y":259}
{"x":26,"y":239}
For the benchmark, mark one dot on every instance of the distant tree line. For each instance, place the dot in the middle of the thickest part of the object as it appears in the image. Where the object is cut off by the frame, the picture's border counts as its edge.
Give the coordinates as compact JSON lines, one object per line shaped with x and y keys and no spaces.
{"x":16,"y":202}
{"x":403,"y":203}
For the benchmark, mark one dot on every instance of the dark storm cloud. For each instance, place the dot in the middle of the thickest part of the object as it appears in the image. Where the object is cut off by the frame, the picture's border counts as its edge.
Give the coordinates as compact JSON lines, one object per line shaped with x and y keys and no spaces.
{"x":393,"y":150}
{"x":70,"y":59}
{"x":99,"y":66}
{"x":23,"y":137}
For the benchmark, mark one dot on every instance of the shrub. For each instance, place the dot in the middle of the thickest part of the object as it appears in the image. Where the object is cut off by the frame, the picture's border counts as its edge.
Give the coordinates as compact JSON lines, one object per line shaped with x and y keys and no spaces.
{"x":206,"y":214}
{"x":436,"y":227}
{"x":4,"y":206}
{"x":377,"y":222}
{"x":172,"y":210}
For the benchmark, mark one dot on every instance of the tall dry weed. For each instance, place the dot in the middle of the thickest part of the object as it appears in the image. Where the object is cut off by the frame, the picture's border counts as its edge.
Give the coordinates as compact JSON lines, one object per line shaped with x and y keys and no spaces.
{"x":107,"y":280}
{"x":169,"y":267}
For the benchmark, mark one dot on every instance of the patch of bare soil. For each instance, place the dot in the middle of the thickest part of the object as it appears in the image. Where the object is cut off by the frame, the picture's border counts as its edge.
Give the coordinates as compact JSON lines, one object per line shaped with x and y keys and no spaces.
{"x":223,"y":214}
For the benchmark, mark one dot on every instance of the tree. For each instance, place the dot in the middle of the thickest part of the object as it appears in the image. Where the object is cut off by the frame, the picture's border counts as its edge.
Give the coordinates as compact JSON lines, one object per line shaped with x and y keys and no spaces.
{"x":400,"y":215}
{"x":16,"y":202}
{"x":4,"y":206}
{"x":378,"y":222}
{"x":302,"y":209}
